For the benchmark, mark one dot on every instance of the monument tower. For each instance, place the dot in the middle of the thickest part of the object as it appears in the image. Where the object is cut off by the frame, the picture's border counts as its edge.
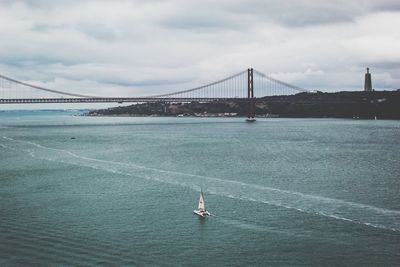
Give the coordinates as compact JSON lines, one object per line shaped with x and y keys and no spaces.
{"x":368,"y":83}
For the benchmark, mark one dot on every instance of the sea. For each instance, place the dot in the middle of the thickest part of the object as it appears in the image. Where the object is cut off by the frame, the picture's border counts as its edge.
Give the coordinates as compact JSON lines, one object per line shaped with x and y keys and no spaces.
{"x":120,"y":191}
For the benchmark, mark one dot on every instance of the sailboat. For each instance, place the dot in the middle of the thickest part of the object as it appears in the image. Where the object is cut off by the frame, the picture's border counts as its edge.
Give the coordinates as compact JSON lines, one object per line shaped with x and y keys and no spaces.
{"x":201,"y":209}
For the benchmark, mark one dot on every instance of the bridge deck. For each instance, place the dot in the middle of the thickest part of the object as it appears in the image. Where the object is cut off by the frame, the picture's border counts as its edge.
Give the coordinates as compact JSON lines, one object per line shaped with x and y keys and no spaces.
{"x":112,"y":100}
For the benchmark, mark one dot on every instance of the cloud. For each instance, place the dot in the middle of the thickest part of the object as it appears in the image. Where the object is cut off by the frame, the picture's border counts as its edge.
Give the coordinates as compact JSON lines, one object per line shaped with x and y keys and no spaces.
{"x":145,"y":47}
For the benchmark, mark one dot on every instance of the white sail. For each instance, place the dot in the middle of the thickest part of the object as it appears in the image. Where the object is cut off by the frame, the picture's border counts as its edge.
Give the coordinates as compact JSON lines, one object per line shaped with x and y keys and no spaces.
{"x":201,"y":202}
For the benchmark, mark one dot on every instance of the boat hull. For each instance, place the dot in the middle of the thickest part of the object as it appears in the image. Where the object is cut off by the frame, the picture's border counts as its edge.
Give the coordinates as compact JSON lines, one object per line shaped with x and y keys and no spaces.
{"x":201,"y":213}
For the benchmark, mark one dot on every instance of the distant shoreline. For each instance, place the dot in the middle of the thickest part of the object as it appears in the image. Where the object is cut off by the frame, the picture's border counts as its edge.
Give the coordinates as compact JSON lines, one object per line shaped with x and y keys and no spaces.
{"x":351,"y":105}
{"x":221,"y":117}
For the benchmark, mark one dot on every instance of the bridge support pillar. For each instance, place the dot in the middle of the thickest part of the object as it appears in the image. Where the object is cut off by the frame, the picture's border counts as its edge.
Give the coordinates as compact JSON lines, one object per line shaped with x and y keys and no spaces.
{"x":251,"y":111}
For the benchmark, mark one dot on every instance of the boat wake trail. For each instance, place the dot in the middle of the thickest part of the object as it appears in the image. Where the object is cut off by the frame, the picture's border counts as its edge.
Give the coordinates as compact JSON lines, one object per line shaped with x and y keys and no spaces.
{"x":367,"y":215}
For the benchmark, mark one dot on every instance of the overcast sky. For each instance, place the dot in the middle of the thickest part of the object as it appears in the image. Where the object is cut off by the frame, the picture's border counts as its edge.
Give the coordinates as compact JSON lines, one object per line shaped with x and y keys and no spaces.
{"x":123,"y":47}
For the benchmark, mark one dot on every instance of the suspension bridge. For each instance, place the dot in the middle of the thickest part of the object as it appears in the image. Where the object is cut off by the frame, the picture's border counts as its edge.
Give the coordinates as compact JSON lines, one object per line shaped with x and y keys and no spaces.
{"x":247,"y":85}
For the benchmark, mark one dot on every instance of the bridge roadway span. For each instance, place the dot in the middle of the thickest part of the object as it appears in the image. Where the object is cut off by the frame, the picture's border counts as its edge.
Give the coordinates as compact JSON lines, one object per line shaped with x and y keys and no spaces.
{"x":112,"y":100}
{"x":267,"y":99}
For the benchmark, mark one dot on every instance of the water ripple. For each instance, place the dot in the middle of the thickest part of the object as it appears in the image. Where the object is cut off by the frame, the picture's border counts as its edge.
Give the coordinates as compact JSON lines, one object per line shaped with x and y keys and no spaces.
{"x":351,"y":212}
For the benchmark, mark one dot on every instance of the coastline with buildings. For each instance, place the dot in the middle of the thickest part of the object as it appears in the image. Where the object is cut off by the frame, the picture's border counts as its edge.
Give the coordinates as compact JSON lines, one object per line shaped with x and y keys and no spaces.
{"x":360,"y":105}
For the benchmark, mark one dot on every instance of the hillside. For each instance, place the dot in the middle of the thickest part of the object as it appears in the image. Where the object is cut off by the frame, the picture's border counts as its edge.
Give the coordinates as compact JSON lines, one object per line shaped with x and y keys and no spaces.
{"x":367,"y":105}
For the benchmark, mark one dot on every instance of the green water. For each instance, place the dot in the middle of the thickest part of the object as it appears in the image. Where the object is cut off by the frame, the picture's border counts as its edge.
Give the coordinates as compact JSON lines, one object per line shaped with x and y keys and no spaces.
{"x":121,"y":191}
